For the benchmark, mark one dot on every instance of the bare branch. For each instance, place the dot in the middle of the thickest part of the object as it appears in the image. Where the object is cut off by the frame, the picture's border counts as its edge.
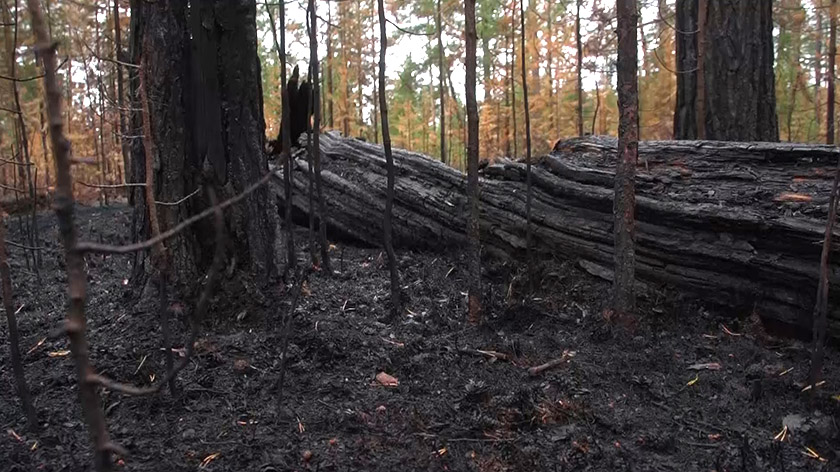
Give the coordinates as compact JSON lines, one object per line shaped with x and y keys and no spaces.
{"x":176,"y":203}
{"x":122,"y":185}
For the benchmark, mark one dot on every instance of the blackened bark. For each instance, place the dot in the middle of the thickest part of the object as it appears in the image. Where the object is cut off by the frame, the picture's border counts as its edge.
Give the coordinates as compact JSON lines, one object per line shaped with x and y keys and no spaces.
{"x":396,"y":304}
{"x":209,"y":65}
{"x":740,"y":93}
{"x":474,"y":249}
{"x":685,"y":116}
{"x":624,"y":296}
{"x":316,"y":134}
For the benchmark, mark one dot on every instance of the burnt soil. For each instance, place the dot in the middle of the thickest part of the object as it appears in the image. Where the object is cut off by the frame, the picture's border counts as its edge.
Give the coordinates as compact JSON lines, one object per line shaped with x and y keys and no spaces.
{"x":624,"y":398}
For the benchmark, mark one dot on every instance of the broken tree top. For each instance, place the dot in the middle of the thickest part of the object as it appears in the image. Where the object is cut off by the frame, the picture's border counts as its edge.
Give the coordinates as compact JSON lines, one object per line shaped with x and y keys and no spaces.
{"x":738,"y":224}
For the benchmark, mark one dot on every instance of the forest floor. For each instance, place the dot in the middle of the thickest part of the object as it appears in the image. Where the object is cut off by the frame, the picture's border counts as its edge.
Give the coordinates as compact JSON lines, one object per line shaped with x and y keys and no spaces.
{"x":686,"y":388}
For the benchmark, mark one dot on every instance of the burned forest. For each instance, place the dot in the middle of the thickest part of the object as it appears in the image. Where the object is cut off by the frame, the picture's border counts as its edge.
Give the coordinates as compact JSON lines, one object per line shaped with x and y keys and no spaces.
{"x":364,"y":235}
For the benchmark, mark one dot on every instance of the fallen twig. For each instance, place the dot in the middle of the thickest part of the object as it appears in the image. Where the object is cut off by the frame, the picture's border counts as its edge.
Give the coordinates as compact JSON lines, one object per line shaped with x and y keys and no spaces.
{"x":537,"y":370}
{"x":491,"y":354}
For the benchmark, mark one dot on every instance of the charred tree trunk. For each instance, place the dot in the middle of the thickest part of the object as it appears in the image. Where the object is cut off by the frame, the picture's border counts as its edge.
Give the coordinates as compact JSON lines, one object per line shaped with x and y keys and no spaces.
{"x":736,"y":224}
{"x":396,"y":304}
{"x":624,"y":208}
{"x":316,"y":136}
{"x":474,"y":250}
{"x":740,"y":92}
{"x":206,"y":104}
{"x":685,"y":116}
{"x":528,"y":259}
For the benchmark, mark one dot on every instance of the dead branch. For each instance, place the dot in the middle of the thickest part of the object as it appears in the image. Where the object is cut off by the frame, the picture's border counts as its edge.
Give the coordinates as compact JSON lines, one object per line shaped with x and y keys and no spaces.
{"x":537,"y":370}
{"x":24,"y":246}
{"x":122,"y":185}
{"x":180,"y":201}
{"x":76,"y":276}
{"x":491,"y":354}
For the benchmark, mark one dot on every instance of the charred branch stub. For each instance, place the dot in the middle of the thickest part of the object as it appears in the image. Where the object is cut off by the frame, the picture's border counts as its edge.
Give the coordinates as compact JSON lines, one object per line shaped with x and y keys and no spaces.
{"x":736,"y":224}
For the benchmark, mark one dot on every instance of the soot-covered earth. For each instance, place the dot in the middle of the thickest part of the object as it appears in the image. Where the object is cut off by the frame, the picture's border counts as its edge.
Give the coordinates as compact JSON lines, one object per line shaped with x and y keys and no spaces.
{"x":687,"y":387}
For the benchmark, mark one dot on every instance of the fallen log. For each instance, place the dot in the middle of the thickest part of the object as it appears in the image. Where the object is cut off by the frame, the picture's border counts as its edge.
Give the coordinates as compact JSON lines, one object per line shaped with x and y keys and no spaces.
{"x":738,"y":224}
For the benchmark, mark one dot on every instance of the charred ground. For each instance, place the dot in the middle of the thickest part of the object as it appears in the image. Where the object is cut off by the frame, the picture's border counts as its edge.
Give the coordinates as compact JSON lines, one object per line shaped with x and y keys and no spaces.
{"x":626,"y":400}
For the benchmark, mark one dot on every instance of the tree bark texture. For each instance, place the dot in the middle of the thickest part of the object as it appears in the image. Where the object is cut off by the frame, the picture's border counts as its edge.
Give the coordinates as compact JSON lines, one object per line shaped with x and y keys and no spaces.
{"x":205,"y":103}
{"x":735,"y":95}
{"x":685,"y":118}
{"x":624,"y":207}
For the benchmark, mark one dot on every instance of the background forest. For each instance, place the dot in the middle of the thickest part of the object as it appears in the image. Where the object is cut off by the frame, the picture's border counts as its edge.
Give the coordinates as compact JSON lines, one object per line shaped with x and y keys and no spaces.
{"x":424,"y":68}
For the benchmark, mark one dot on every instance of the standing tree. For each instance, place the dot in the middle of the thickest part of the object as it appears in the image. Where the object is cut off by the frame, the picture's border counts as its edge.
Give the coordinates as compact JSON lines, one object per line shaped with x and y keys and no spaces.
{"x":624,"y":295}
{"x":124,"y":148}
{"x":528,"y":191}
{"x":441,"y":89}
{"x":474,"y":250}
{"x":818,"y":72}
{"x":736,"y":95}
{"x":285,"y":133}
{"x":396,"y":305}
{"x":316,"y":135}
{"x":76,"y":273}
{"x":205,"y":104}
{"x":685,"y":115}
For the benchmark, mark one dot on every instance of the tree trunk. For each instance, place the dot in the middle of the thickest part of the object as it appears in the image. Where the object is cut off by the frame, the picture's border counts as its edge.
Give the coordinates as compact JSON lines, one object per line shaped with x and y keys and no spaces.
{"x":685,"y":116}
{"x":396,"y":304}
{"x":735,"y":224}
{"x":528,"y":259}
{"x":331,"y":108}
{"x":740,"y":93}
{"x":818,"y":52}
{"x":441,"y":88}
{"x":472,"y":226}
{"x":120,"y":57}
{"x":624,"y":290}
{"x":316,"y":135}
{"x":513,"y":78}
{"x":206,"y":106}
